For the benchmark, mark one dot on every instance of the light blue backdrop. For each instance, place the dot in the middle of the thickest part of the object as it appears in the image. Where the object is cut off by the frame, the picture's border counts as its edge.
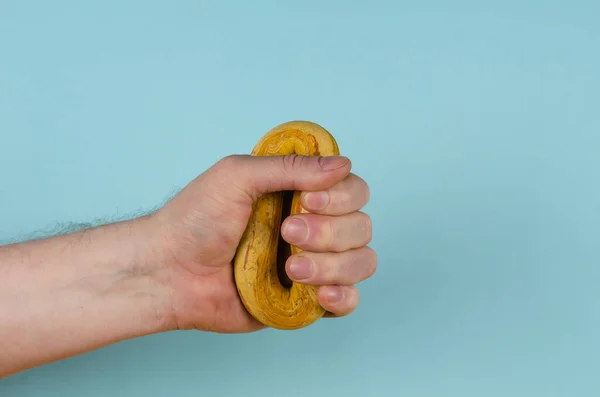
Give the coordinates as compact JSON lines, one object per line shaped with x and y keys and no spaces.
{"x":477,"y":125}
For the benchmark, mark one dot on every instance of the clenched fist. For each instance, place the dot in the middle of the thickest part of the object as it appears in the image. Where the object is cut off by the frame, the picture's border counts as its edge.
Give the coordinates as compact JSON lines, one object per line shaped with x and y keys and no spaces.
{"x":202,"y":227}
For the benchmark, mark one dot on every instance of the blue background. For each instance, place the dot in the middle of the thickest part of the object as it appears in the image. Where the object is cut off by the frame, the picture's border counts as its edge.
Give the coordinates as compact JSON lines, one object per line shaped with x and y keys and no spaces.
{"x":476,"y":124}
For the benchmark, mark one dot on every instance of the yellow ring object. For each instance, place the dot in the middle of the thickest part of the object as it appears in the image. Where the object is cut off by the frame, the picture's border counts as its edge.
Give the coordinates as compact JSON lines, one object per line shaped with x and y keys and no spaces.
{"x":266,"y":292}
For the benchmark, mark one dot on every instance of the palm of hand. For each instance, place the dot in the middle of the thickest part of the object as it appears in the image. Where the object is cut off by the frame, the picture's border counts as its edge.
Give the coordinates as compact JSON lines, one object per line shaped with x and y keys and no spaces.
{"x":209,"y":220}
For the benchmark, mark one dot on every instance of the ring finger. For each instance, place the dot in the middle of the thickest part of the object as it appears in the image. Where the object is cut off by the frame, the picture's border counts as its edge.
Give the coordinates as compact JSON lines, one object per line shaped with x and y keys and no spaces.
{"x":346,"y":268}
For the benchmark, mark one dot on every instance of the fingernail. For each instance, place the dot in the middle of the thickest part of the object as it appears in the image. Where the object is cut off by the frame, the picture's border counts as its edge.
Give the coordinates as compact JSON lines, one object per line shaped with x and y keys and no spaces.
{"x":295,"y":231}
{"x":316,"y":200}
{"x":330,"y":163}
{"x":334,"y":295}
{"x":300,"y":268}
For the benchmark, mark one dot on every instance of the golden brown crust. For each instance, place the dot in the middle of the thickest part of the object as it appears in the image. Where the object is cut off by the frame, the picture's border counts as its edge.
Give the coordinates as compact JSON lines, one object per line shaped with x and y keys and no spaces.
{"x":255,"y":264}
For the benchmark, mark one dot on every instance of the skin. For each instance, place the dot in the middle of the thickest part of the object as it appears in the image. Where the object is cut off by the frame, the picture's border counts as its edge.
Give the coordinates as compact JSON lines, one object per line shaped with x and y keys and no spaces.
{"x":172,"y":269}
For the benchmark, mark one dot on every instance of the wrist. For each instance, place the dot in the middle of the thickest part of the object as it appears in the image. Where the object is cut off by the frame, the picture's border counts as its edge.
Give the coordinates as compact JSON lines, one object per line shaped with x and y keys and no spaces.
{"x":150,"y":270}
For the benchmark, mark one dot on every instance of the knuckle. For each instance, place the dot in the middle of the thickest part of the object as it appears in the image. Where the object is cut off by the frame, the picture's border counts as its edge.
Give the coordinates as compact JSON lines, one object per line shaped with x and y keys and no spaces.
{"x":366,"y":226}
{"x":230,"y":161}
{"x":371,"y":261}
{"x":291,"y":162}
{"x":343,"y":199}
{"x":353,"y":298}
{"x":326,"y":268}
{"x":367,"y":192}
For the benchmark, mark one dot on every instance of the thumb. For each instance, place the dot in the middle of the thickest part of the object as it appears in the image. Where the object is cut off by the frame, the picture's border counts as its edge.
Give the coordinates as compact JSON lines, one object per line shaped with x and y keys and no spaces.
{"x":258,"y":175}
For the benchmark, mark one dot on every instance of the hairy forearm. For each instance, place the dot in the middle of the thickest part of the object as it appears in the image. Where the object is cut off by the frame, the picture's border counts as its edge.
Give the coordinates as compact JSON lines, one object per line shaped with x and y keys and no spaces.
{"x":71,"y":294}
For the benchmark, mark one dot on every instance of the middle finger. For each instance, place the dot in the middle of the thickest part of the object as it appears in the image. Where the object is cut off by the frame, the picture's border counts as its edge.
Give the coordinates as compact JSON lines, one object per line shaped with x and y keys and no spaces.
{"x":322,"y":233}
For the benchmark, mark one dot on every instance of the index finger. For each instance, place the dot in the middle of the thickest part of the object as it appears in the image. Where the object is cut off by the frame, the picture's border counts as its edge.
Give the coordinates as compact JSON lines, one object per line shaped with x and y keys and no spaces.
{"x":349,"y":195}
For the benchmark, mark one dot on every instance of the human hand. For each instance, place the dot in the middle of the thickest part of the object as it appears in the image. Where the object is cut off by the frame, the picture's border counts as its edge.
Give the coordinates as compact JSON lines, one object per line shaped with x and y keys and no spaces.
{"x":201,"y":228}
